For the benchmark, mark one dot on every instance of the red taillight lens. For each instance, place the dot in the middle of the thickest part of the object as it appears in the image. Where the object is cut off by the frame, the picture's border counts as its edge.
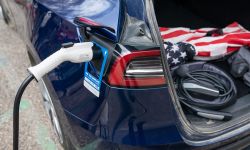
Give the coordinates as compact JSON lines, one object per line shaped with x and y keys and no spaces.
{"x":137,"y":69}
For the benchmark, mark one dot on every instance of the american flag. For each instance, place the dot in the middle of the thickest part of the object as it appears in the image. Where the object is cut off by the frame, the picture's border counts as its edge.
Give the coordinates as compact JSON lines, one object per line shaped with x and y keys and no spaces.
{"x":178,"y":53}
{"x":208,"y":43}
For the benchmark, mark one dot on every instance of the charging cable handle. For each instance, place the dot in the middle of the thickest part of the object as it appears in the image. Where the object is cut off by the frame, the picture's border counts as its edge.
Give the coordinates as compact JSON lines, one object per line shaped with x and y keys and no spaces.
{"x":75,"y":53}
{"x":209,"y":114}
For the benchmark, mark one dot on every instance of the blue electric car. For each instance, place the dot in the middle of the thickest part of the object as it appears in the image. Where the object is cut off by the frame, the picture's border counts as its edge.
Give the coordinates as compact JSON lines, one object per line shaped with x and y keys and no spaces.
{"x":136,"y":108}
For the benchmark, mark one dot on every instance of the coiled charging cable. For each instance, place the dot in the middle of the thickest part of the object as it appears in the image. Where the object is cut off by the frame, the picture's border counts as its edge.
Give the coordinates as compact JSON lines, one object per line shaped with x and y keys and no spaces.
{"x":205,"y":91}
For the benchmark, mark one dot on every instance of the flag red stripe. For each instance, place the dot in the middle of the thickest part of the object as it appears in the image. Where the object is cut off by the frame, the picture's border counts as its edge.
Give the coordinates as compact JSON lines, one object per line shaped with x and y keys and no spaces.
{"x":174,"y":34}
{"x":204,"y":54}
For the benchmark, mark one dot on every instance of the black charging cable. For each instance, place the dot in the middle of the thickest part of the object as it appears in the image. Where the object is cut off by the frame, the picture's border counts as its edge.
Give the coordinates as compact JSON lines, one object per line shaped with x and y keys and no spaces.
{"x":205,"y":78}
{"x":16,"y":110}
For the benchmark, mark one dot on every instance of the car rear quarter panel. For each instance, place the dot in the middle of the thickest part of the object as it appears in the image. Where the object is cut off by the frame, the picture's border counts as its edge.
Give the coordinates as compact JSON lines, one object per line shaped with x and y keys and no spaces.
{"x":126,"y":116}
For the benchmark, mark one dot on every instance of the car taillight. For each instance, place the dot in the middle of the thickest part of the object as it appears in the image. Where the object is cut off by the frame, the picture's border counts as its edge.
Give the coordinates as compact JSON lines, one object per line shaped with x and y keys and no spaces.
{"x":137,"y":69}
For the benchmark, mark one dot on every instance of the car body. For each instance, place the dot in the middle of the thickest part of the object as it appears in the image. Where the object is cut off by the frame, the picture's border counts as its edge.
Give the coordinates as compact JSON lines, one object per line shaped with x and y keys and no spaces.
{"x":135,"y":109}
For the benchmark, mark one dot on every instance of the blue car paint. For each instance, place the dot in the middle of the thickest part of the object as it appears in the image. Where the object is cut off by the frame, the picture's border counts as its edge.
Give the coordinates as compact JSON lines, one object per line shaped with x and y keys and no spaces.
{"x":92,"y":9}
{"x":143,"y":117}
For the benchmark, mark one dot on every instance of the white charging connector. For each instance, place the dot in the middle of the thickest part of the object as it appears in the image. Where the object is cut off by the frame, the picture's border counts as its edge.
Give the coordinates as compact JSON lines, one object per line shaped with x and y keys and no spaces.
{"x":75,"y":53}
{"x":78,"y":53}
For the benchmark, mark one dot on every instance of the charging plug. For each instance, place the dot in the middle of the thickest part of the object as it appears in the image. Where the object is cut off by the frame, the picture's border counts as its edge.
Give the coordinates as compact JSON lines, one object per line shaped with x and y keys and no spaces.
{"x":77,"y":53}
